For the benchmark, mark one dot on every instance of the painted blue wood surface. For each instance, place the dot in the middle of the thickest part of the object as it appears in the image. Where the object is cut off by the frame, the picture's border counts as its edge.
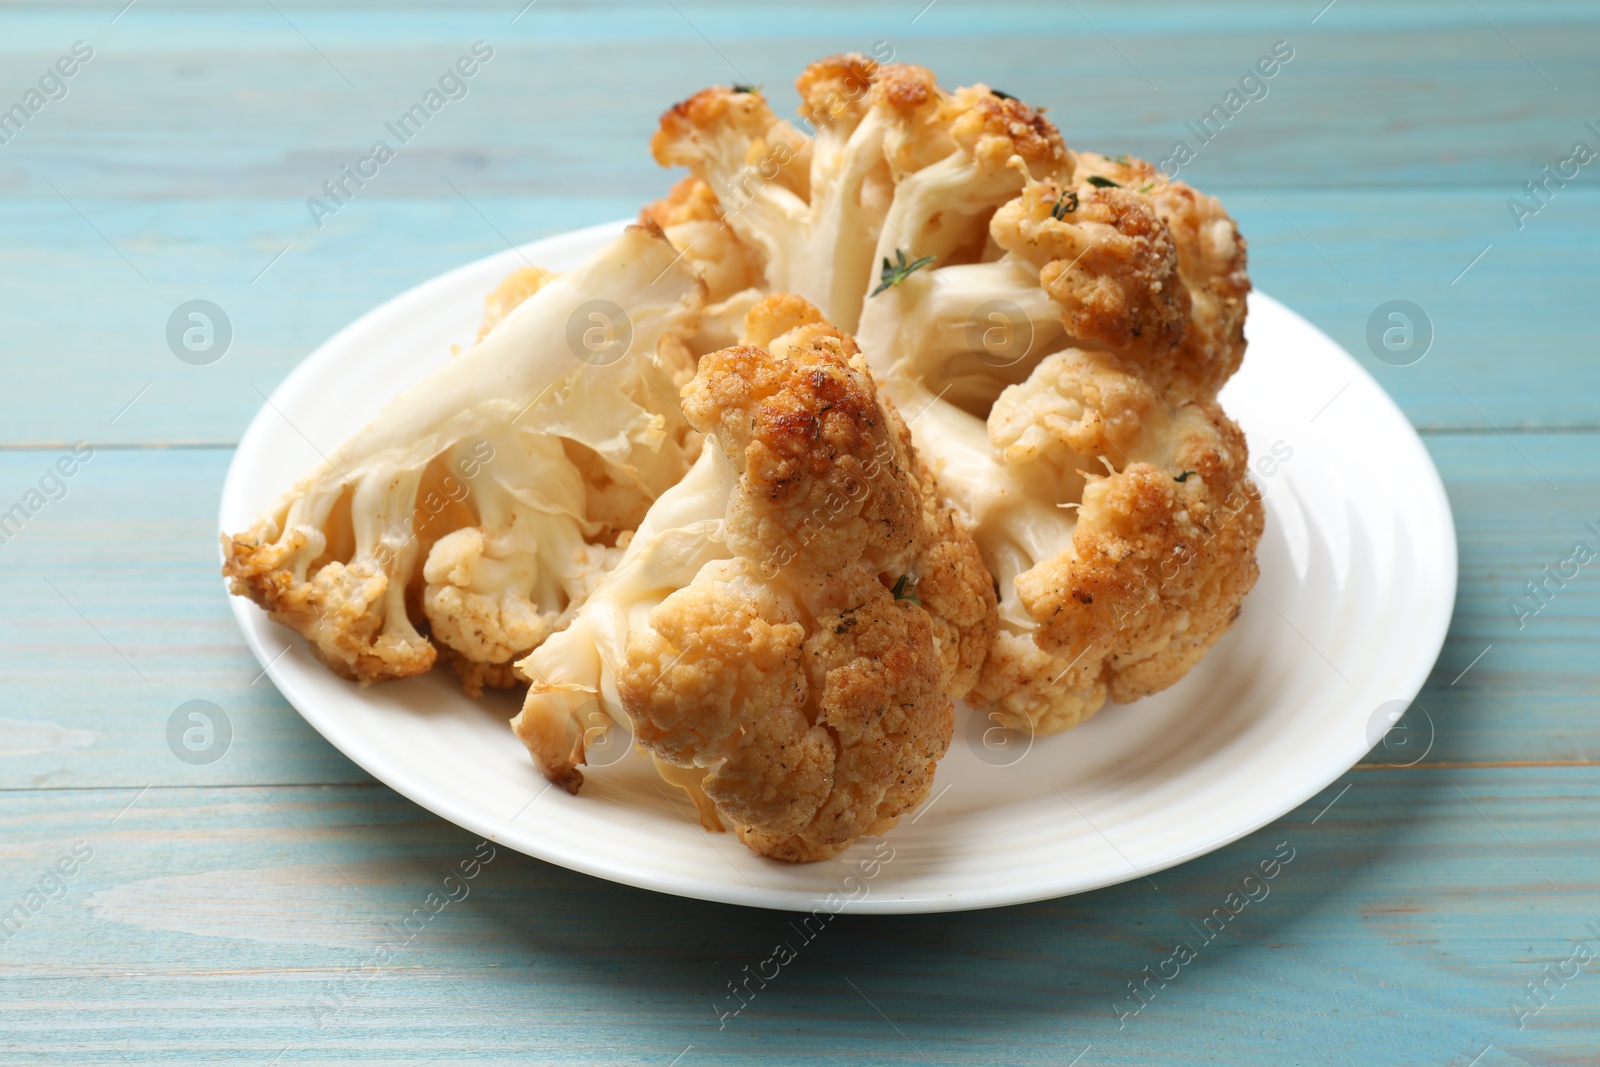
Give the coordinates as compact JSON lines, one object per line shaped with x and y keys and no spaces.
{"x":227,"y":912}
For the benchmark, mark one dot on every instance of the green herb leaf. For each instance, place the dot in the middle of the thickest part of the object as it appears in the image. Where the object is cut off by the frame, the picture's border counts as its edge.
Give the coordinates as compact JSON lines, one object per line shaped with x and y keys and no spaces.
{"x":1102,"y":183}
{"x":747,"y":88}
{"x":1185,"y":476}
{"x":1146,"y":187}
{"x":902,"y":592}
{"x":1003,"y":96}
{"x":895,"y":273}
{"x":1065,"y":205}
{"x":1119,"y":159}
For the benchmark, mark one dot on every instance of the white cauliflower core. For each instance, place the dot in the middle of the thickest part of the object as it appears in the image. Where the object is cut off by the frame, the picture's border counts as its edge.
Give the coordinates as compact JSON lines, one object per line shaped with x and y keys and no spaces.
{"x":1059,"y":324}
{"x":487,"y":500}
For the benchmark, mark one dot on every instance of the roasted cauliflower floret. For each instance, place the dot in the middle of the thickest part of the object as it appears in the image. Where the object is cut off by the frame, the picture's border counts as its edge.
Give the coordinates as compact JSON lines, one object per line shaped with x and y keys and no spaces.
{"x":898,"y":166}
{"x":352,"y":613}
{"x":763,"y":632}
{"x":1106,"y":258}
{"x":486,"y":499}
{"x":1161,"y":553}
{"x":813,"y":723}
{"x":1059,"y":323}
{"x":1212,"y":267}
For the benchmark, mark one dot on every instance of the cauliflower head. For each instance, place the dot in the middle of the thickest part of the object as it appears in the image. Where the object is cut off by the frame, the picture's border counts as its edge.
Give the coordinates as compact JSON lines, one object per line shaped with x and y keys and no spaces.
{"x":787,"y":627}
{"x":1060,"y":322}
{"x":484,"y":503}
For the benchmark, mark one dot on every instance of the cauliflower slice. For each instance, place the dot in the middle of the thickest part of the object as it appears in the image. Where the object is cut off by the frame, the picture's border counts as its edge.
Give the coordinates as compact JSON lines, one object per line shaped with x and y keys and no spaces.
{"x":787,"y":626}
{"x":1051,"y":289}
{"x":488,"y":498}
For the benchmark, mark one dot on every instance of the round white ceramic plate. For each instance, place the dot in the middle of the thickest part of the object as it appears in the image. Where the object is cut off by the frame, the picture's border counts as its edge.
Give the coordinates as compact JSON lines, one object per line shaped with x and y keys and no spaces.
{"x":1358,"y":575}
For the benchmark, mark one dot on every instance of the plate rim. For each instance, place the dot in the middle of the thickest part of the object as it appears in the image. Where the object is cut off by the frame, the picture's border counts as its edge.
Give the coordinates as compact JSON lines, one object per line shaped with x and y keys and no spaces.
{"x":254,"y":625}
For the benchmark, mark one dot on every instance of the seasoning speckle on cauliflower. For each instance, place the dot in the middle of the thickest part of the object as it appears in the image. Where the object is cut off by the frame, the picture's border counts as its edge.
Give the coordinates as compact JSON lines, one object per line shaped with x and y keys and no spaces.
{"x":758,"y":633}
{"x":1106,"y":258}
{"x":1212,"y":265}
{"x":808,"y":693}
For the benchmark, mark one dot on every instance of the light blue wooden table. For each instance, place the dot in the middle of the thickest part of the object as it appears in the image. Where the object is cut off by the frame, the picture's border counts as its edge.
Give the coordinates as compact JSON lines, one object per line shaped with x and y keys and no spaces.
{"x":228,"y":912}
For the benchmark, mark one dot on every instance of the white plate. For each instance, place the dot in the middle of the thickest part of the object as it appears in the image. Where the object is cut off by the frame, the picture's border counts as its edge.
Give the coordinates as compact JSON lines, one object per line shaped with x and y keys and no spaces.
{"x":1358,"y":575}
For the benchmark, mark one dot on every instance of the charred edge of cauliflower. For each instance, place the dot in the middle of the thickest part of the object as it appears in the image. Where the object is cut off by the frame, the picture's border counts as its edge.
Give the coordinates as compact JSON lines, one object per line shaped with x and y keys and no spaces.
{"x":1106,"y":257}
{"x":799,"y":676}
{"x":1162,"y":555}
{"x":353,"y":616}
{"x":835,"y":88}
{"x":1213,"y":263}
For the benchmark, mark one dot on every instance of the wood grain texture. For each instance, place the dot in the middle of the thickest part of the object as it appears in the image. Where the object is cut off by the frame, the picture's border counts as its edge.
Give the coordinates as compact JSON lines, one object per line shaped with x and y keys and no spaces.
{"x":1378,"y":166}
{"x":242,"y":922}
{"x":229,"y":912}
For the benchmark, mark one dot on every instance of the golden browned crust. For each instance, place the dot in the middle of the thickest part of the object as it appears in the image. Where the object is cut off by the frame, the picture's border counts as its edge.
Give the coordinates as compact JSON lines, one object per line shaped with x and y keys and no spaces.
{"x":689,"y":200}
{"x":910,"y":90}
{"x":775,"y":315}
{"x":679,"y":138}
{"x":993,"y":129}
{"x":835,"y":87}
{"x":1107,"y":259}
{"x":1164,"y":549}
{"x":339,"y":611}
{"x":1213,"y":262}
{"x":811,"y":732}
{"x":875,"y":681}
{"x":809,"y":678}
{"x":1213,"y":267}
{"x":476,"y":677}
{"x":952,"y":582}
{"x":820,"y":474}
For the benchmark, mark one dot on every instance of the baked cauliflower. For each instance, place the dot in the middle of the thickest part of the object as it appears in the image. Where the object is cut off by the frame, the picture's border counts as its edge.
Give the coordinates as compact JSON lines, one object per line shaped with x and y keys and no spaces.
{"x":484,"y":503}
{"x":789,"y":623}
{"x":1059,"y":324}
{"x":673,"y":489}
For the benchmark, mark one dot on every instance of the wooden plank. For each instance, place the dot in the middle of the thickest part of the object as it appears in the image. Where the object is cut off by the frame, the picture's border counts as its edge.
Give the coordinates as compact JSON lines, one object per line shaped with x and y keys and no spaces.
{"x":132,"y":547}
{"x":241,"y":923}
{"x":229,"y":912}
{"x":126,"y":620}
{"x":1374,"y":95}
{"x":1372,"y":101}
{"x":1511,"y":330}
